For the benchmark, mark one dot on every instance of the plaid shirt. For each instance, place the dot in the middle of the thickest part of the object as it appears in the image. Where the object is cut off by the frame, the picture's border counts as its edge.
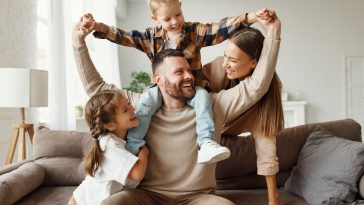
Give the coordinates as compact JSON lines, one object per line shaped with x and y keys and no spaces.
{"x":194,"y":36}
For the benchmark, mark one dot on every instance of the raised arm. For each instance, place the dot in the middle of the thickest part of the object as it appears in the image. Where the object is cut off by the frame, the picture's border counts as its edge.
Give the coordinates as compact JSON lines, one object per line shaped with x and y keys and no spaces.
{"x":90,"y":77}
{"x":233,"y":102}
{"x":140,"y":40}
{"x":214,"y":33}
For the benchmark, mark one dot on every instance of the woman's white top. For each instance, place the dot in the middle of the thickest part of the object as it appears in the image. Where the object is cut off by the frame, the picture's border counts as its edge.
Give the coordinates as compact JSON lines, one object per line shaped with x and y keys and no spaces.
{"x":111,"y":176}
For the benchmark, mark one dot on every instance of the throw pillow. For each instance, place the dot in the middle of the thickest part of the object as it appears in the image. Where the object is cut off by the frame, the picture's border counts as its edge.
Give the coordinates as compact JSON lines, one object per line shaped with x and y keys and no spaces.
{"x":328,"y":169}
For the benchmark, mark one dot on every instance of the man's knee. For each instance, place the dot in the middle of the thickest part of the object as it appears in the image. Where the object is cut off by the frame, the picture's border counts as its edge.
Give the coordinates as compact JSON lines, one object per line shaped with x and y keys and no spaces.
{"x":221,"y":201}
{"x":210,"y":199}
{"x":123,"y":197}
{"x":130,"y":197}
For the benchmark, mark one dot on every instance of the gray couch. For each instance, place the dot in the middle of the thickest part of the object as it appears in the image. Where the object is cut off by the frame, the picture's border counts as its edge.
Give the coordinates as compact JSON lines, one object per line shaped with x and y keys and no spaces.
{"x":56,"y":168}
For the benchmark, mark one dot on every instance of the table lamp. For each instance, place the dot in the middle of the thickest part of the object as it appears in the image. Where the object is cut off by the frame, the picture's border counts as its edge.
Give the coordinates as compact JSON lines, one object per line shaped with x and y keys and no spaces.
{"x":22,"y":88}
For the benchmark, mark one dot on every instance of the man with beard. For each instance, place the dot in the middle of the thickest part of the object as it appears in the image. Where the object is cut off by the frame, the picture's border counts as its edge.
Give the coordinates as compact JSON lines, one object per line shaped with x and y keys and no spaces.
{"x":172,"y":175}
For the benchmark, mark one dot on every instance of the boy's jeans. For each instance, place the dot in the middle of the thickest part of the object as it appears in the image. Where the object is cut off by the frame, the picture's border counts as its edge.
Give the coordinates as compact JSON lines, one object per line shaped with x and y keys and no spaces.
{"x":149,"y":103}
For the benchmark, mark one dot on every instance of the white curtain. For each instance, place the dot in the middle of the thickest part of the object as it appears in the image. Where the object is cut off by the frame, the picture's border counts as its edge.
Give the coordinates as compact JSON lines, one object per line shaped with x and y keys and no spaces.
{"x":65,"y":91}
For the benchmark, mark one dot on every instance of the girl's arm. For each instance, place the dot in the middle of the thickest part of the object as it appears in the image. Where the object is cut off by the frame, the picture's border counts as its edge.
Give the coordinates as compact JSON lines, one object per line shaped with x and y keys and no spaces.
{"x":138,"y":170}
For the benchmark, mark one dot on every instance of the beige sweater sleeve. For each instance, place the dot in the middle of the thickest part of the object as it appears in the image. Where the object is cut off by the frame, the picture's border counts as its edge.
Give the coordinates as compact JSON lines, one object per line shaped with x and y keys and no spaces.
{"x":267,"y":160}
{"x":90,"y":77}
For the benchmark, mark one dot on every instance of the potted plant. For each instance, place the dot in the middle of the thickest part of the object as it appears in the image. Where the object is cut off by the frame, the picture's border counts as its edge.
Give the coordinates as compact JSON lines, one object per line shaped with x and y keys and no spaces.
{"x":79,"y":111}
{"x":140,"y":81}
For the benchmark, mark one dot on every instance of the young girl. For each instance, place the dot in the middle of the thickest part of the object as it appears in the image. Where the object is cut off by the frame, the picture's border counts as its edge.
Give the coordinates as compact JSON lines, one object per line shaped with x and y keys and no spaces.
{"x":110,"y":168}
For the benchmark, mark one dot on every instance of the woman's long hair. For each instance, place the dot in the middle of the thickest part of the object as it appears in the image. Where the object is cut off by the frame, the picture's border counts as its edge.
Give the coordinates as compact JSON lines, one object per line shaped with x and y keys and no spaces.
{"x":270,"y":114}
{"x":99,"y":111}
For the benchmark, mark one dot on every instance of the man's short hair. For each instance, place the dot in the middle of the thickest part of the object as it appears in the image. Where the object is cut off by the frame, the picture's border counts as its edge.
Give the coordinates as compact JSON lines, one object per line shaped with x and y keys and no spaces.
{"x":155,"y":4}
{"x":159,"y":57}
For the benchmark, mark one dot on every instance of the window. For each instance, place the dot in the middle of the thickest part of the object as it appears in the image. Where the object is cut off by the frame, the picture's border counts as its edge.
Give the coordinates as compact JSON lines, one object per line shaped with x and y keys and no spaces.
{"x":42,"y":47}
{"x":42,"y":34}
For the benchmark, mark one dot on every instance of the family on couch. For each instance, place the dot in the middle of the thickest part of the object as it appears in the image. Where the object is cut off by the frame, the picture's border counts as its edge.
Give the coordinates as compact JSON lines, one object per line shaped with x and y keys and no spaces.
{"x":248,"y":101}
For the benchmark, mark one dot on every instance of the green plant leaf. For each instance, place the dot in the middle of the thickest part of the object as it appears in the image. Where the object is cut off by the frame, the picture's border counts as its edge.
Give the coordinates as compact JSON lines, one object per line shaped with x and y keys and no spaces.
{"x":140,"y":81}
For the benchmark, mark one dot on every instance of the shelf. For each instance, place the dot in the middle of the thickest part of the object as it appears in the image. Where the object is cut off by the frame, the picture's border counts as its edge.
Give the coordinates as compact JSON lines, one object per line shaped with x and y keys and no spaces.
{"x":294,"y":113}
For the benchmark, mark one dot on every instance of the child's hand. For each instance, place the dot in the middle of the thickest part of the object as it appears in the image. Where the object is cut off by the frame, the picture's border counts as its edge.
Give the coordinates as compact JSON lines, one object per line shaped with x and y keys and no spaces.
{"x":262,"y":14}
{"x":265,"y":14}
{"x":80,"y":31}
{"x":271,"y":25}
{"x":89,"y":20}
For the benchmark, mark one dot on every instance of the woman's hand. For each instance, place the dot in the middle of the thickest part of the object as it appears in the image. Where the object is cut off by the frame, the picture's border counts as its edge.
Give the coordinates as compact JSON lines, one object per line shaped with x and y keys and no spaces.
{"x":81,"y":30}
{"x":271,"y":25}
{"x":262,"y":13}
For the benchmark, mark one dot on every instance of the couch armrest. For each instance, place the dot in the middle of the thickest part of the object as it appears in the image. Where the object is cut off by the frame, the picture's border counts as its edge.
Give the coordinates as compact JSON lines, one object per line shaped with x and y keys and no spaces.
{"x":19,"y":182}
{"x":10,"y":167}
{"x":361,"y":186}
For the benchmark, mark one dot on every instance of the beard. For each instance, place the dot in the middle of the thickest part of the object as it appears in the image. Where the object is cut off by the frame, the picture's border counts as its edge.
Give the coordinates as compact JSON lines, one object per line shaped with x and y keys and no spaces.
{"x":178,"y":91}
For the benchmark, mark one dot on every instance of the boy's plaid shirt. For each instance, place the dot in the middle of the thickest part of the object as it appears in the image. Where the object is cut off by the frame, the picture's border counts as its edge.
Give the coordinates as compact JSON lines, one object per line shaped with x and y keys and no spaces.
{"x":194,"y":36}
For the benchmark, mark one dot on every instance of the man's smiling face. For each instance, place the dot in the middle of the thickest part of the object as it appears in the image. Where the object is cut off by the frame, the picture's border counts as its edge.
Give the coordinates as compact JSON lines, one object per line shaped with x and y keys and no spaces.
{"x":176,"y":78}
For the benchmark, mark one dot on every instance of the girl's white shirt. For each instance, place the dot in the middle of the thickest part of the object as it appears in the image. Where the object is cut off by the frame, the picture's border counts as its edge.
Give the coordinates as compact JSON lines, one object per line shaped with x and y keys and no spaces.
{"x":111,"y":176}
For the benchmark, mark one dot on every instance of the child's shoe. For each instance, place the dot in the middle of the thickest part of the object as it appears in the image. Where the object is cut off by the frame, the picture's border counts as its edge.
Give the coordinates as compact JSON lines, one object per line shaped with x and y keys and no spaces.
{"x":211,"y":152}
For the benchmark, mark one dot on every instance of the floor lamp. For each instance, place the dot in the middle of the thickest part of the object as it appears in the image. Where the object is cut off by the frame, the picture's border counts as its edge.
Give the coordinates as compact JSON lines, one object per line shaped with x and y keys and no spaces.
{"x":22,"y":88}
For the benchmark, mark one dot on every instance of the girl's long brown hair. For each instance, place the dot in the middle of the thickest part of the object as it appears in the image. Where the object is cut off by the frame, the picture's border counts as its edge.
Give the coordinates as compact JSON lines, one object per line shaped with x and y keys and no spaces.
{"x":270,"y":114}
{"x":99,"y":111}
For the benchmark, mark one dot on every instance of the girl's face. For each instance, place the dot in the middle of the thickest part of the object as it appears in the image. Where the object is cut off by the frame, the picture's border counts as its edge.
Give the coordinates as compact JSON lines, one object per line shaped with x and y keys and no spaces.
{"x":237,"y":63}
{"x":124,"y":117}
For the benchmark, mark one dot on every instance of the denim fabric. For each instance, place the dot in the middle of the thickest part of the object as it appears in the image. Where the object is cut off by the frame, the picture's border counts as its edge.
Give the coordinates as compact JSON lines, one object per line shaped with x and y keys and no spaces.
{"x":148,"y":104}
{"x":205,"y":126}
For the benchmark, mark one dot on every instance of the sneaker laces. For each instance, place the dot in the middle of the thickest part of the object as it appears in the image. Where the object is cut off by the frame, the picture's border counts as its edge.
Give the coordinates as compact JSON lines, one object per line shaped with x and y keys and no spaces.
{"x":211,"y":144}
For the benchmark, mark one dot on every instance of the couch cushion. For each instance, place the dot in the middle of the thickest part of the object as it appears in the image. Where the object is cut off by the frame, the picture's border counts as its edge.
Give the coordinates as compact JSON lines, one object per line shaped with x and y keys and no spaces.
{"x":16,"y":184}
{"x":60,"y":153}
{"x":328,"y":169}
{"x":259,"y":197}
{"x":239,"y":171}
{"x":62,"y":171}
{"x":59,"y":143}
{"x":45,"y":195}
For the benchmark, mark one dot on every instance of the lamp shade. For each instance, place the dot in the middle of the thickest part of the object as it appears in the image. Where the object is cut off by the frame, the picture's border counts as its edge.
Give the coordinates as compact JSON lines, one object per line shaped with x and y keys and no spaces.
{"x":22,"y":87}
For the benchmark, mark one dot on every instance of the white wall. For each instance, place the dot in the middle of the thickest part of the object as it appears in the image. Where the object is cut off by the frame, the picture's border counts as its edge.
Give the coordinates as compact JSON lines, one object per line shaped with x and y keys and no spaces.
{"x":315,"y":35}
{"x":17,"y":49}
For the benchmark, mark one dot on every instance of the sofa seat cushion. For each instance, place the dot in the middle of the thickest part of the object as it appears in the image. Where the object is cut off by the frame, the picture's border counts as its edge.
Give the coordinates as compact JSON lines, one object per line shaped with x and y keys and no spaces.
{"x":62,"y":171}
{"x":45,"y":195}
{"x":259,"y":197}
{"x":328,"y":169}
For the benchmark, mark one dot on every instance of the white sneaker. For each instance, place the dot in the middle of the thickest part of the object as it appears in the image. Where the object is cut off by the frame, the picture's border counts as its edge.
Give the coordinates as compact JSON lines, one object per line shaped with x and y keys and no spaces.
{"x":211,"y":152}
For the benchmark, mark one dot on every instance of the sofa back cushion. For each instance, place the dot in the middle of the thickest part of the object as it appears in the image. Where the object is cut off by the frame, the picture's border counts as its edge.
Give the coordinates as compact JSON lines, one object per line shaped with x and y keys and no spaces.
{"x":59,"y":143}
{"x":239,"y":171}
{"x":327,"y":170}
{"x":61,"y":153}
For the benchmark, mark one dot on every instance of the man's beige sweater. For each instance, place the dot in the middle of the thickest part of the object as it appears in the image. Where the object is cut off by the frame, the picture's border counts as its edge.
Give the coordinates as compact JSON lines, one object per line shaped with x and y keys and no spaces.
{"x":171,"y":138}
